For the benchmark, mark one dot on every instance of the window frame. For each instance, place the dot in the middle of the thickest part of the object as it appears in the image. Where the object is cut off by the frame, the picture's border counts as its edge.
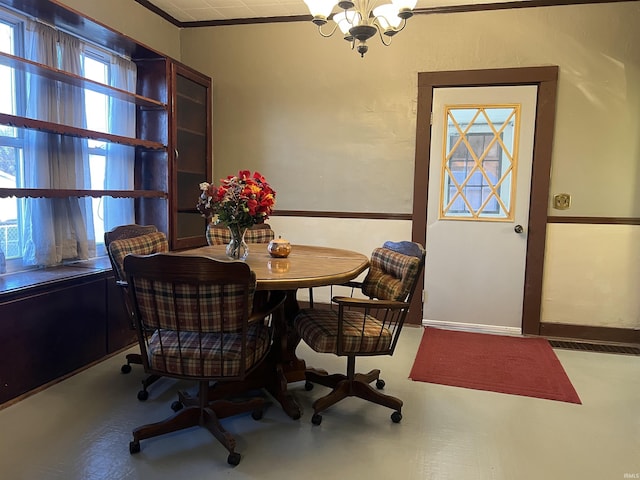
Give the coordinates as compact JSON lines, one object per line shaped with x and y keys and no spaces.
{"x":16,"y":141}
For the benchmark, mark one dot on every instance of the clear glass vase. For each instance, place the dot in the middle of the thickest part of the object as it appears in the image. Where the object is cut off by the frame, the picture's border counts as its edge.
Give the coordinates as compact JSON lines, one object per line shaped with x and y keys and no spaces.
{"x":237,"y":248}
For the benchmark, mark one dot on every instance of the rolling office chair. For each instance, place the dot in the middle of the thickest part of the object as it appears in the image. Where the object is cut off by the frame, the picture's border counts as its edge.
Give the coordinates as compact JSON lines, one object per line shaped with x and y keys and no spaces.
{"x":364,"y":326}
{"x":119,"y":242}
{"x":195,"y":320}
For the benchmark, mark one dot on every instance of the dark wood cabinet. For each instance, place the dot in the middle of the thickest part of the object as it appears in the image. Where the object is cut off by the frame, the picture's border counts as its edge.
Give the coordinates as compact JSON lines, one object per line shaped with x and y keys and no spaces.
{"x":50,"y":330}
{"x":57,"y":320}
{"x":187,"y":162}
{"x":191,"y":162}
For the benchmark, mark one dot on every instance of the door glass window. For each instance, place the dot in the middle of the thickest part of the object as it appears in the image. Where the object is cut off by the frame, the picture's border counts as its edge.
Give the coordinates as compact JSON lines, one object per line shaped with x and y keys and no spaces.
{"x":479,"y":162}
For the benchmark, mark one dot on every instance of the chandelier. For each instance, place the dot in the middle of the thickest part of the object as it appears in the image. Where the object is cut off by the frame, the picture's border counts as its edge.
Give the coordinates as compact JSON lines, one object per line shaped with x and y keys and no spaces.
{"x":360,"y":20}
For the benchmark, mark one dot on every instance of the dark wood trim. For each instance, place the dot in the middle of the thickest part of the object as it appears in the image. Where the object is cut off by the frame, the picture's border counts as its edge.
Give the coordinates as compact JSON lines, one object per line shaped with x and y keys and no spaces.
{"x":586,"y":332}
{"x":246,"y":21}
{"x":418,"y":11}
{"x":219,"y":23}
{"x":545,"y":78}
{"x":596,"y":220}
{"x":474,"y":7}
{"x":360,"y":215}
{"x":540,"y":178}
{"x":158,"y":11}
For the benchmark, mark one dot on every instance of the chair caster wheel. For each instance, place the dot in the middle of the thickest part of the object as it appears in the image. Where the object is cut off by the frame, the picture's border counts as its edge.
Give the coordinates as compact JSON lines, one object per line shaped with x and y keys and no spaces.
{"x":308,"y":386}
{"x":380,"y":384}
{"x":143,"y":395}
{"x":234,"y":458}
{"x":176,"y":406}
{"x":134,"y":447}
{"x":126,"y":368}
{"x":396,"y":417}
{"x":257,"y":414}
{"x":316,"y":419}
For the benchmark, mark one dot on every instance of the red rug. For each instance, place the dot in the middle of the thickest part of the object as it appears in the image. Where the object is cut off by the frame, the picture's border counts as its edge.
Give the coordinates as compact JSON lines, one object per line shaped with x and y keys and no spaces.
{"x":497,"y":363}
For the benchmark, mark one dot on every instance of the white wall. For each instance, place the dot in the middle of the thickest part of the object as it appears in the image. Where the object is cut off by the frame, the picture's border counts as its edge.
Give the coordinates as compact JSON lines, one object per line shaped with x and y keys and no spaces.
{"x":352,"y":234}
{"x":591,"y":272}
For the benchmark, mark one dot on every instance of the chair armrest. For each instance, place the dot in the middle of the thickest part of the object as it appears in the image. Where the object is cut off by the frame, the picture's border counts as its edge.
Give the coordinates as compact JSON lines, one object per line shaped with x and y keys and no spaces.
{"x":369,"y":303}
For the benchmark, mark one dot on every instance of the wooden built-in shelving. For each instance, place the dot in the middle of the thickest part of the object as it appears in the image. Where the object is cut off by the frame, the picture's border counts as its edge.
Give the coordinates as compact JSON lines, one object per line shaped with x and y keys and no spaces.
{"x":56,"y":128}
{"x":50,"y":73}
{"x":62,"y":193}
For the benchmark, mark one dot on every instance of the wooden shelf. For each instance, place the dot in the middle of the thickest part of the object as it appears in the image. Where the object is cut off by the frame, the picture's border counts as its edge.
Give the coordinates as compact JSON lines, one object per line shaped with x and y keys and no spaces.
{"x":62,"y":193}
{"x":22,"y":122}
{"x":50,"y":73}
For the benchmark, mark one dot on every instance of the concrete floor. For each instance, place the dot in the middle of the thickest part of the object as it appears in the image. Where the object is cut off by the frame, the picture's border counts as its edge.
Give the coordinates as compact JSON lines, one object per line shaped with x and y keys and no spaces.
{"x":81,"y":428}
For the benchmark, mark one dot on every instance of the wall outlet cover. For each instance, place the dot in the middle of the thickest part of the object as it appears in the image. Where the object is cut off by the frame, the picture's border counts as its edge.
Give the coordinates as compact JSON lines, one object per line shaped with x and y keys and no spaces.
{"x":561,"y":201}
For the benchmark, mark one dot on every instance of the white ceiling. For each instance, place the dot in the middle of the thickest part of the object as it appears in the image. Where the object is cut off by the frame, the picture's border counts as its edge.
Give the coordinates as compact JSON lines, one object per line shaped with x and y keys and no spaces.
{"x":204,"y":10}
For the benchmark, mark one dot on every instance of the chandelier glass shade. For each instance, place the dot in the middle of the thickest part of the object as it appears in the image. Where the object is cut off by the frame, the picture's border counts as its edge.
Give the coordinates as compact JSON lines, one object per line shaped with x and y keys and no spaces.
{"x":359,"y":20}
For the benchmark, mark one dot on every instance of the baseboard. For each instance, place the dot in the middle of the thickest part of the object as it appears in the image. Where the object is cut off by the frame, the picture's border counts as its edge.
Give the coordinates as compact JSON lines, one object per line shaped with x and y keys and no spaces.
{"x":472,"y":327}
{"x":549,"y":330}
{"x":627,"y":336}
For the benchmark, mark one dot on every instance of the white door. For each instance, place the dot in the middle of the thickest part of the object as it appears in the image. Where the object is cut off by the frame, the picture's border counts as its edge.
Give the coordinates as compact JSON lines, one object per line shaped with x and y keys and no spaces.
{"x":478,"y":206}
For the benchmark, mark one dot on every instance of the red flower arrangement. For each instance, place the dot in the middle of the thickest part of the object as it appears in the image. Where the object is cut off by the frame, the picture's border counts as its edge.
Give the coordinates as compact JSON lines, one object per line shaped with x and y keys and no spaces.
{"x":242,"y":200}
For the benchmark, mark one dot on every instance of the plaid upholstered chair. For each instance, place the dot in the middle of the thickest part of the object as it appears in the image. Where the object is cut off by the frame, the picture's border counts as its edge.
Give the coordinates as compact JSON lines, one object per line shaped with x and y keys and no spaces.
{"x":119,"y":242}
{"x":260,"y":233}
{"x":195,"y":321}
{"x":363,"y":326}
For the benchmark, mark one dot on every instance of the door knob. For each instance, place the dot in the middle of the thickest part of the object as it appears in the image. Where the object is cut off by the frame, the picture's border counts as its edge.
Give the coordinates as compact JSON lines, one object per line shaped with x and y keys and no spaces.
{"x":518,"y":229}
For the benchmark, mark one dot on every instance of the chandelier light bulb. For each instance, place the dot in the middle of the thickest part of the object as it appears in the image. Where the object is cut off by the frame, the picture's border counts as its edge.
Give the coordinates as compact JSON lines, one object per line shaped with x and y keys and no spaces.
{"x":387,"y":16}
{"x":320,"y":10}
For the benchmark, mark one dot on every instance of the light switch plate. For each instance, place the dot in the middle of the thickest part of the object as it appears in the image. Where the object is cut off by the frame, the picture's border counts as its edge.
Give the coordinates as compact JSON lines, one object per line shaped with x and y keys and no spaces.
{"x":561,"y":201}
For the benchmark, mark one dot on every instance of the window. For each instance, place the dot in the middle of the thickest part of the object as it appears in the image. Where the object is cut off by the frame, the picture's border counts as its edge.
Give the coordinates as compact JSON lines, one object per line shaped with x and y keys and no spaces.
{"x":97,"y":111}
{"x":477,"y":188}
{"x":10,"y":142}
{"x":19,"y":147}
{"x":480,"y":162}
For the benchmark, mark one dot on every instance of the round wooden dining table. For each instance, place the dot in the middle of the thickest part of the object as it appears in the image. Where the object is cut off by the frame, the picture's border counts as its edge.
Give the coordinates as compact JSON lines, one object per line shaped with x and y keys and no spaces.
{"x":306,"y":266}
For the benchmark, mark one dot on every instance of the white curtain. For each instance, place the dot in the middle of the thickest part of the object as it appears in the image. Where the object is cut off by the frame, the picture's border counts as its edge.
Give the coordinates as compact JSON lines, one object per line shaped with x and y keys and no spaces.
{"x":120,"y":159}
{"x":55,"y":229}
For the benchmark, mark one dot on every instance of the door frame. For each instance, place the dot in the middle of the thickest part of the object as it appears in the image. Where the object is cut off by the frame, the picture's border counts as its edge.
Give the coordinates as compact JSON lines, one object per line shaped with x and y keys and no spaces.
{"x":546,"y":79}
